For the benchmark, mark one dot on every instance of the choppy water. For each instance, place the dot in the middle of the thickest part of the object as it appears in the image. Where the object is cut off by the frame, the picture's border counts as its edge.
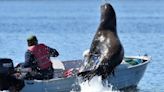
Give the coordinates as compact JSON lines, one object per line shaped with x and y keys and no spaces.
{"x":95,"y":85}
{"x":69,"y":26}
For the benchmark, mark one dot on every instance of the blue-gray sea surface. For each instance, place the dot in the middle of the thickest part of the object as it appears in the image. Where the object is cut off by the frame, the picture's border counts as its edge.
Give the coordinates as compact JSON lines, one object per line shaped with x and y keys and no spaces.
{"x":69,"y":26}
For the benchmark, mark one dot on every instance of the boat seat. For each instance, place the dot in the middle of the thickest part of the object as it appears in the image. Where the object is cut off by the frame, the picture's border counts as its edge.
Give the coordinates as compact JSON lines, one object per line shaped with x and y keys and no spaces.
{"x":57,"y":64}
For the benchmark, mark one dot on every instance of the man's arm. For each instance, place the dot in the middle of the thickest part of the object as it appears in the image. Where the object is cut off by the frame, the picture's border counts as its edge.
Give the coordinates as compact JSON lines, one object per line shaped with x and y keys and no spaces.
{"x":29,"y":59}
{"x":53,"y":52}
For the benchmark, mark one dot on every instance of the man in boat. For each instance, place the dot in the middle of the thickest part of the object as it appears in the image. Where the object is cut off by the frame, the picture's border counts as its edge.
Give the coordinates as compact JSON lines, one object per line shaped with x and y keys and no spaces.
{"x":37,"y":58}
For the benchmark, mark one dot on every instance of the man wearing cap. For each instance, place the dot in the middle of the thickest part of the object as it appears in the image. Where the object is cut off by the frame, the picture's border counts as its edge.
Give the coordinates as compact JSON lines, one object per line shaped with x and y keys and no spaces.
{"x":37,"y":57}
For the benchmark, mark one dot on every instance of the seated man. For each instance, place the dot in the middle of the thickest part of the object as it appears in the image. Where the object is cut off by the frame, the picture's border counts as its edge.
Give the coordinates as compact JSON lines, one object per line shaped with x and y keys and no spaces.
{"x":37,"y":58}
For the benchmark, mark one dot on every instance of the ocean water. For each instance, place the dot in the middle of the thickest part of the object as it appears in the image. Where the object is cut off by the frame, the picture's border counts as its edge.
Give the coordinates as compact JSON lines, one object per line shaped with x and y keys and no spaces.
{"x":69,"y":26}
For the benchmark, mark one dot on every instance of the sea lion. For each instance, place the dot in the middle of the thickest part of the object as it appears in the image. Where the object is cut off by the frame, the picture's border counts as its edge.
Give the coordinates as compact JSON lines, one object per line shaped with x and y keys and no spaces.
{"x":106,"y":45}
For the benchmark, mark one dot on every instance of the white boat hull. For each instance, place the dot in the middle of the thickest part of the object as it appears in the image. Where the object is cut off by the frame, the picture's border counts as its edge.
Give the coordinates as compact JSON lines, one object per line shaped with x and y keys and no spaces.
{"x":53,"y":85}
{"x":127,"y":76}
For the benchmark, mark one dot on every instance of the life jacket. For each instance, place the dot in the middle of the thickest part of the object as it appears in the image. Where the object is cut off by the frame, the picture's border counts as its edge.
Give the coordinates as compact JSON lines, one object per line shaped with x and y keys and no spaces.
{"x":42,"y":54}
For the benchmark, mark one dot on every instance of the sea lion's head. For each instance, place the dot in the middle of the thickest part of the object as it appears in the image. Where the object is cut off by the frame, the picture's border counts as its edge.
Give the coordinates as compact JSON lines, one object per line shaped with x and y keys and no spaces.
{"x":108,"y":17}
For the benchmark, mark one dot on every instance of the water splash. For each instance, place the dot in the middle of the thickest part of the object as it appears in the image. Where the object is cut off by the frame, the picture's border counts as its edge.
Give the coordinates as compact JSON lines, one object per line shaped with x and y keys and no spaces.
{"x":95,"y":85}
{"x":4,"y":91}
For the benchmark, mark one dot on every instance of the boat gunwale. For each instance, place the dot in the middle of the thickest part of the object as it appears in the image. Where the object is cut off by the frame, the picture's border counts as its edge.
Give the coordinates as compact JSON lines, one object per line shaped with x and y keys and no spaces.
{"x":130,"y":66}
{"x":146,"y":58}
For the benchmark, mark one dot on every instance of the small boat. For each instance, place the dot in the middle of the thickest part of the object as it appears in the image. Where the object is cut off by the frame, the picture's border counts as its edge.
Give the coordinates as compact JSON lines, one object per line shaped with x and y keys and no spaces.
{"x":127,"y":74}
